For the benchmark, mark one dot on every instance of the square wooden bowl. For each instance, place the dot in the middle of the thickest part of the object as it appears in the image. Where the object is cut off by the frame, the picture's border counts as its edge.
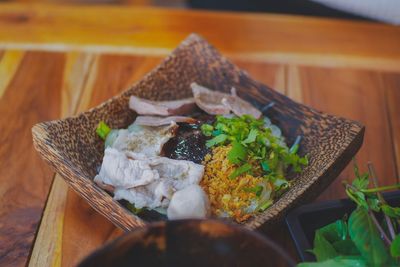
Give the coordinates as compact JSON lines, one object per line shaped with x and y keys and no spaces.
{"x":72,"y":147}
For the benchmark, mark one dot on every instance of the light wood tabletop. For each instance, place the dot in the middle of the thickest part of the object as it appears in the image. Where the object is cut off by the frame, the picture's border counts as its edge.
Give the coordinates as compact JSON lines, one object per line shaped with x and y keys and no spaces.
{"x":56,"y":61}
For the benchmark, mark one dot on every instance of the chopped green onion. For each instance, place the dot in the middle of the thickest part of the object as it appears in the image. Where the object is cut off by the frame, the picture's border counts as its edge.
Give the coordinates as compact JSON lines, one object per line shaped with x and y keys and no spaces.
{"x":133,"y":209}
{"x":257,"y":190}
{"x":207,"y":129}
{"x":242,"y":169}
{"x":103,"y":130}
{"x":295,"y":146}
{"x":265,"y":205}
{"x":216,"y":132}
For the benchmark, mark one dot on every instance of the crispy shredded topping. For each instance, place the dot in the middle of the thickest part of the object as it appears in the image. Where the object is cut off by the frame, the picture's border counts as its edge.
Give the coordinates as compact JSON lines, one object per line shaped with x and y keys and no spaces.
{"x":228,"y":197}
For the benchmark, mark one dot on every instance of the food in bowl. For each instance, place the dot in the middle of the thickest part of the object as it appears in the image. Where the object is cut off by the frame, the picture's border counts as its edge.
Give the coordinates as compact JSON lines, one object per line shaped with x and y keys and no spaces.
{"x":214,"y":154}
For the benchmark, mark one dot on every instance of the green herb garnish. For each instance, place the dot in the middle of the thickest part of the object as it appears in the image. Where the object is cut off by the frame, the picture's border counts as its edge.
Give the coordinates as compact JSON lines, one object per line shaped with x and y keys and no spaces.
{"x":216,"y":140}
{"x":253,"y":142}
{"x":256,"y":190}
{"x":362,"y":240}
{"x":102,"y":130}
{"x":238,"y":153}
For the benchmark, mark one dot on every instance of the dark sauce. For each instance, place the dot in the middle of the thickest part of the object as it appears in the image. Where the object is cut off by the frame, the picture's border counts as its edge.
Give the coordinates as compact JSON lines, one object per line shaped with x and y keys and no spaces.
{"x":189,"y":143}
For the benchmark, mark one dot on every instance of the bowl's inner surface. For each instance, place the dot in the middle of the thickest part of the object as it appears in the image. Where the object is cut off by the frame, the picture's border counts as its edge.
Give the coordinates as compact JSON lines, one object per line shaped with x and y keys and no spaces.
{"x":189,"y":243}
{"x":74,"y":149}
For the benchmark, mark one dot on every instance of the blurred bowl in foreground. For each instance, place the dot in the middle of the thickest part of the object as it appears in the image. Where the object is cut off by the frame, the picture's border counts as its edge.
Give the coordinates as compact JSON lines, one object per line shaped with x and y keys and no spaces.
{"x":189,"y":243}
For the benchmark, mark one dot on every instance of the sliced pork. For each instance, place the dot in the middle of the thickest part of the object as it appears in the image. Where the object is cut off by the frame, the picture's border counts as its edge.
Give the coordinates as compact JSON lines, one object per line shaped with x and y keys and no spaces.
{"x":162,"y":108}
{"x":209,"y":101}
{"x":141,"y":139}
{"x":218,"y":103}
{"x":146,"y":182}
{"x":160,"y":121}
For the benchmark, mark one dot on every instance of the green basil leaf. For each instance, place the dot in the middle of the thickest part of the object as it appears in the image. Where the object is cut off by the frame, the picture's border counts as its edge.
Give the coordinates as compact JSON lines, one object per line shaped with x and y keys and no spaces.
{"x":361,"y":182}
{"x":393,"y":212}
{"x":366,"y":238}
{"x":373,"y":203}
{"x":340,"y":261}
{"x":323,"y":249}
{"x":346,"y":248}
{"x":334,"y":232}
{"x":395,"y":247}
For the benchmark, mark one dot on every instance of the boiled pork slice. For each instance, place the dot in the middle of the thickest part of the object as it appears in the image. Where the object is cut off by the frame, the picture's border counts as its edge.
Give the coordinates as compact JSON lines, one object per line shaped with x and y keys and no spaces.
{"x":160,"y":121}
{"x":141,"y":139}
{"x":217,"y":103}
{"x":146,"y":182}
{"x":162,"y":108}
{"x":209,"y":101}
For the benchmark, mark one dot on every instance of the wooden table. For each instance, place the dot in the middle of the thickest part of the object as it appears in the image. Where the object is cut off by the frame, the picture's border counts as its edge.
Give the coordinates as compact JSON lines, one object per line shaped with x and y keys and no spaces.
{"x":57,"y":61}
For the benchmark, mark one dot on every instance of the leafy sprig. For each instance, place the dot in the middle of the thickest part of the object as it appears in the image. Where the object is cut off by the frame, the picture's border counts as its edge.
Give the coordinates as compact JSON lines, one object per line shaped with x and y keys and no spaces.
{"x":362,"y":240}
{"x":253,"y":142}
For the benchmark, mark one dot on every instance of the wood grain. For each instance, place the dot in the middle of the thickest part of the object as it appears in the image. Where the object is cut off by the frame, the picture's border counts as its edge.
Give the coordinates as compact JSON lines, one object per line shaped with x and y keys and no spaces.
{"x":8,"y":66}
{"x":355,"y":94}
{"x":37,"y":86}
{"x":391,"y":82}
{"x":152,"y":31}
{"x":268,"y":73}
{"x":48,"y":244}
{"x":25,"y":179}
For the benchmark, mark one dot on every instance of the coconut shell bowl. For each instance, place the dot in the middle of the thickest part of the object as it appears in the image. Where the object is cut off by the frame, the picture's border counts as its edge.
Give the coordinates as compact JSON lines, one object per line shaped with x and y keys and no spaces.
{"x":73,"y":149}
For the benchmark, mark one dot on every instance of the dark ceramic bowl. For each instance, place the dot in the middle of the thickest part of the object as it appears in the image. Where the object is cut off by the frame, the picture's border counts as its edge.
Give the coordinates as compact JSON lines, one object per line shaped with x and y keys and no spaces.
{"x":189,"y":243}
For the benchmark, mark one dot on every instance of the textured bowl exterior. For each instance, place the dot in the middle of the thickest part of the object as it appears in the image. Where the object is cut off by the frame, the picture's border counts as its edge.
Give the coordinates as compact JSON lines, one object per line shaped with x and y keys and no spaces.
{"x":73,"y":149}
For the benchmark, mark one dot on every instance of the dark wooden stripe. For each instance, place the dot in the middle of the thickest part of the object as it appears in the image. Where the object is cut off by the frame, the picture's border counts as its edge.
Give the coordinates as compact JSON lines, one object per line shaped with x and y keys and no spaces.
{"x":33,"y":95}
{"x":358,"y":95}
{"x":391,"y":83}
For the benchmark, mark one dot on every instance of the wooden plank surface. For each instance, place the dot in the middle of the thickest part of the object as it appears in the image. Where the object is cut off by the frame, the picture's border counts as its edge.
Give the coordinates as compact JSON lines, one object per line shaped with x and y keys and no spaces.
{"x":86,"y":80}
{"x":336,"y":66}
{"x":391,"y":83}
{"x":49,"y":238}
{"x":322,"y":88}
{"x":357,"y":95}
{"x":152,"y":31}
{"x":25,"y":179}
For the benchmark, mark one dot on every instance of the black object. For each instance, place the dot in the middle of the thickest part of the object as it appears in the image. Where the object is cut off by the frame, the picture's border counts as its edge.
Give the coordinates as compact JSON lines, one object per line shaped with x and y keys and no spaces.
{"x":294,"y":7}
{"x":305,"y":220}
{"x":191,"y":243}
